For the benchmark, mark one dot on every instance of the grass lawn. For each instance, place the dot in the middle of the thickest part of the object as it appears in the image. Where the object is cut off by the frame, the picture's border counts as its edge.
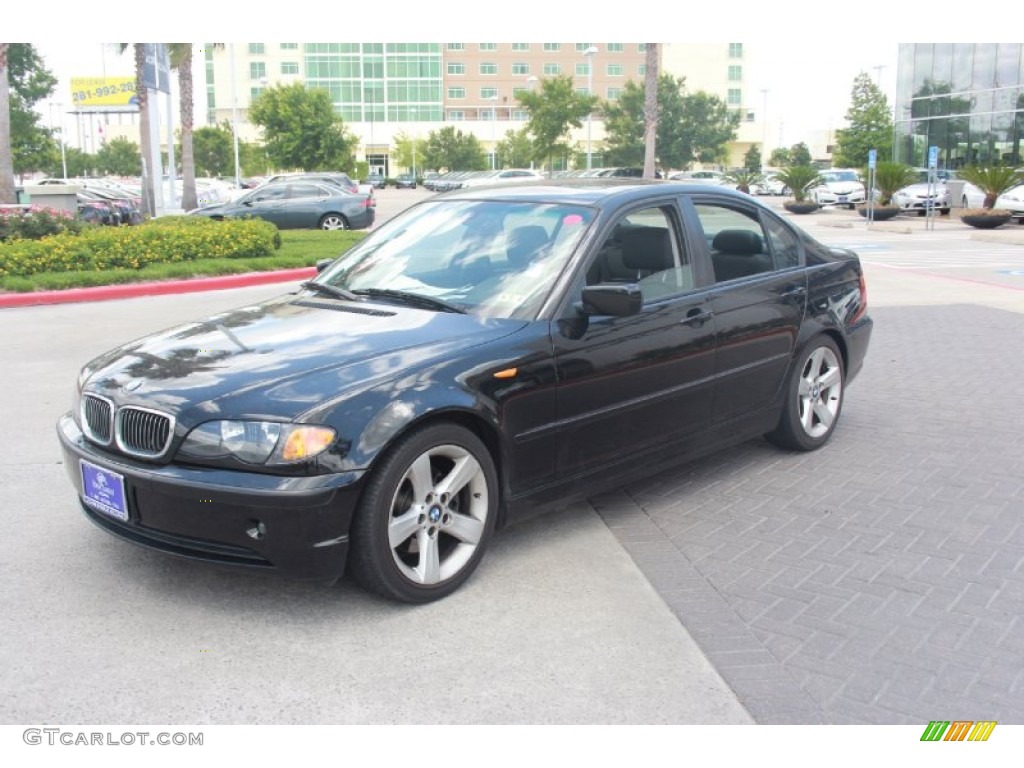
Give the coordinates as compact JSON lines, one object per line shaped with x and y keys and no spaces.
{"x":299,"y":248}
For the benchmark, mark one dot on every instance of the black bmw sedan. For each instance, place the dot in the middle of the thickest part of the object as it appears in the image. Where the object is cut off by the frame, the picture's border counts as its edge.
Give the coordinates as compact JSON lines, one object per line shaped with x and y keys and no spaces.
{"x":483,"y":356}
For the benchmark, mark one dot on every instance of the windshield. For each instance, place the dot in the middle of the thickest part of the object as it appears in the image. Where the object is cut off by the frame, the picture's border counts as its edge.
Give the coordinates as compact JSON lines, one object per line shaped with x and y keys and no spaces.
{"x":489,"y":258}
{"x":830,"y":176}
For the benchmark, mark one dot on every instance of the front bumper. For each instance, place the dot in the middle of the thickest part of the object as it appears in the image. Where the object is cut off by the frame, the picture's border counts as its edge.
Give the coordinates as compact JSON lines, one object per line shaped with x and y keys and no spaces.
{"x":296,"y":526}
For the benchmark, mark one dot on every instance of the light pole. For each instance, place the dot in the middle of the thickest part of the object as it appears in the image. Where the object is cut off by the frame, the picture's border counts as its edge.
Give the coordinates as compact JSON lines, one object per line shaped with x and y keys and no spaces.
{"x":764,"y":127}
{"x":413,"y":110}
{"x":60,"y":129}
{"x":589,"y":54}
{"x":530,"y":82}
{"x":234,"y":113}
{"x":494,"y":131}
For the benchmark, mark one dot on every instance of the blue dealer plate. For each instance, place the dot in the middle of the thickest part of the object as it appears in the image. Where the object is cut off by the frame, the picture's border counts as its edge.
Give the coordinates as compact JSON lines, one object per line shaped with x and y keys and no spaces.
{"x":103,"y":490}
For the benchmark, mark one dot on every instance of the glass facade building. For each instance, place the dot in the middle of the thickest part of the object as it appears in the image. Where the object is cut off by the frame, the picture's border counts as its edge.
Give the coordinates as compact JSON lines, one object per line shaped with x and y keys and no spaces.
{"x":967,"y":99}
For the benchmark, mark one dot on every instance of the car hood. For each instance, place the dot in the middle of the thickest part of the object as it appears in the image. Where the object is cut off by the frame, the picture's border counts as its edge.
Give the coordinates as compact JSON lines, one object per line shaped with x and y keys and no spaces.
{"x":922,"y":189}
{"x":843,"y":187}
{"x":281,"y":358}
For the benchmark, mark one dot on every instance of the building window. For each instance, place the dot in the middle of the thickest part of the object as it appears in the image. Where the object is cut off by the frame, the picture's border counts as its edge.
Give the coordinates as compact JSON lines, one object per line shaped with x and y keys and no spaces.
{"x":583,"y":69}
{"x":456,"y":93}
{"x":735,"y":50}
{"x":456,"y":46}
{"x":735,"y":72}
{"x":520,"y":91}
{"x":520,"y":114}
{"x":520,"y":46}
{"x":613,"y":93}
{"x":735,"y":97}
{"x":487,"y":114}
{"x":289,"y":67}
{"x":614,"y":47}
{"x":488,"y":93}
{"x":641,"y":70}
{"x":488,"y":46}
{"x":520,"y":69}
{"x":456,"y":68}
{"x":257,"y":70}
{"x":581,"y":47}
{"x":456,"y":114}
{"x":584,"y":91}
{"x":487,"y":68}
{"x":614,"y":70}
{"x":289,"y":46}
{"x":256,"y":49}
{"x":254,"y":93}
{"x":552,"y":69}
{"x":552,"y":47}
{"x":641,"y":48}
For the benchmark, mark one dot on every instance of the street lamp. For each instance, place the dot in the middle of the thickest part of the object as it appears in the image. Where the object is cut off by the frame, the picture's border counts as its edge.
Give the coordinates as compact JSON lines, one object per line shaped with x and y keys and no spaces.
{"x":413,"y":110}
{"x":234,"y":114}
{"x":60,"y":130}
{"x":589,"y":54}
{"x":494,"y":130}
{"x":764,"y":128}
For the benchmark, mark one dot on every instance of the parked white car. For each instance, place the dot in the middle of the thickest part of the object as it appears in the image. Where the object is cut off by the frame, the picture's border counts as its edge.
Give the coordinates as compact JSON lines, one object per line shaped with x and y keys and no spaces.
{"x":921,"y":196}
{"x":1013,"y":201}
{"x":839,"y":186}
{"x":501,"y":177}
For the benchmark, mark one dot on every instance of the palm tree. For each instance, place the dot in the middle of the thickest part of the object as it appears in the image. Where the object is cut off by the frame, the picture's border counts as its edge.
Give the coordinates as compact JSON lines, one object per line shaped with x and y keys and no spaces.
{"x":744,"y":178}
{"x":6,"y":162}
{"x":800,"y":179}
{"x":142,"y":96}
{"x":650,"y":108}
{"x":181,"y":60}
{"x":890,"y":178}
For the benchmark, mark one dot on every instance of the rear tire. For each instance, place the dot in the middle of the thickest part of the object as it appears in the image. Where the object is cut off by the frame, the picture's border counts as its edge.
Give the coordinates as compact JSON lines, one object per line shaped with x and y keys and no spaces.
{"x":814,"y":398}
{"x":333,"y":221}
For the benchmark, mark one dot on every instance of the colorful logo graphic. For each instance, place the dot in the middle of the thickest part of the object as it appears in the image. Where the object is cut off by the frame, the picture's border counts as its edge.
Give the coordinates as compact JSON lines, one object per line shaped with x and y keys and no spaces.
{"x":958,"y":730}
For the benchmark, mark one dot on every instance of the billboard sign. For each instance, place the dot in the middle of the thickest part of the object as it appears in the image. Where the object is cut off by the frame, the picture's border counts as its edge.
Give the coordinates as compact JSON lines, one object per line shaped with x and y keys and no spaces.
{"x":103,"y":93}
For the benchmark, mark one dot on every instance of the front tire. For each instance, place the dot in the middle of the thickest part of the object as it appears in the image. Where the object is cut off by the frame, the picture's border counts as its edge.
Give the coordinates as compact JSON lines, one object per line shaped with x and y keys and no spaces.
{"x":426,"y":515}
{"x":814,"y":398}
{"x":333,"y":221}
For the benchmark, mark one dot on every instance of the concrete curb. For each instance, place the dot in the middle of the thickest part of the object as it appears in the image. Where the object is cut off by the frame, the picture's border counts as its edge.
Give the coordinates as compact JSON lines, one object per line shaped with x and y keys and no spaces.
{"x":163,"y":287}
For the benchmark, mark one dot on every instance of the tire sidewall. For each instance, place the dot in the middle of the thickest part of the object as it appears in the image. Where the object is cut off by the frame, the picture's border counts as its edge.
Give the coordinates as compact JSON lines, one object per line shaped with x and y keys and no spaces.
{"x":371,"y":560}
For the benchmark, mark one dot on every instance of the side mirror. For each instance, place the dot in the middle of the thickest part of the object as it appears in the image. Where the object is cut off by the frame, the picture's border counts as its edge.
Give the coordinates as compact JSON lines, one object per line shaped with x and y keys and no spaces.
{"x":615,"y":300}
{"x":323,"y":264}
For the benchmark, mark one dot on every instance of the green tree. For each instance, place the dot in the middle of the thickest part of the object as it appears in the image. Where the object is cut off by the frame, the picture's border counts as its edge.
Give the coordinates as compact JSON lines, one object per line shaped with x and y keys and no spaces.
{"x":752,"y":160}
{"x":31,"y":145}
{"x":119,"y":157}
{"x":453,"y":150}
{"x":301,"y":129}
{"x":780,"y":157}
{"x":553,"y":110}
{"x":799,"y":154}
{"x":516,"y":149}
{"x":691,"y":127}
{"x":79,"y":164}
{"x":870,"y":125}
{"x":402,"y":154}
{"x":213,"y":150}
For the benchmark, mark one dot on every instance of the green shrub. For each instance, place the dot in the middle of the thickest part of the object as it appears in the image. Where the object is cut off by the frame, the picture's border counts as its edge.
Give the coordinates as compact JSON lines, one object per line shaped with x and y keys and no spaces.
{"x":162,"y":241}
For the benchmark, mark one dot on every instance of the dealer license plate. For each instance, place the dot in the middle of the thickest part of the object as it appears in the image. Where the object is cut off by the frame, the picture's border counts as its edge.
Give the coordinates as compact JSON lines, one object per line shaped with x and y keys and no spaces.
{"x":842,"y":199}
{"x":103,"y":490}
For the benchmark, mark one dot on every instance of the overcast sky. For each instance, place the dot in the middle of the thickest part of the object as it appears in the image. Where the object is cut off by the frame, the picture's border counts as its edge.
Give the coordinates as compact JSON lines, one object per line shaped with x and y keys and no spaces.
{"x":806,"y":55}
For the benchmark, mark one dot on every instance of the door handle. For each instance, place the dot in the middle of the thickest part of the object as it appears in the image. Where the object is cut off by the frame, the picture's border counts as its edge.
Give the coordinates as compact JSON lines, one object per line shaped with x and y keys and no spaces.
{"x":696,"y":317}
{"x":794,"y":291}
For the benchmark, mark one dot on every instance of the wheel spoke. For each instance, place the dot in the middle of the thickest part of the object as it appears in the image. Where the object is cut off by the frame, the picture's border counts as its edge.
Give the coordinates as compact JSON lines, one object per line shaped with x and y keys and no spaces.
{"x":830,"y":378}
{"x":807,"y":416}
{"x":823,"y":413}
{"x":428,"y":570}
{"x":402,"y":527}
{"x":465,"y":528}
{"x":420,"y":477}
{"x":804,"y":388}
{"x":465,"y":469}
{"x":815,"y":363}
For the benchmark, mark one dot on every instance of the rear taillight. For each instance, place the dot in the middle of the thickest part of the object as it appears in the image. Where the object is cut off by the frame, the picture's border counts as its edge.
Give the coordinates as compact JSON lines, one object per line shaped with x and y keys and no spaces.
{"x":863,"y":308}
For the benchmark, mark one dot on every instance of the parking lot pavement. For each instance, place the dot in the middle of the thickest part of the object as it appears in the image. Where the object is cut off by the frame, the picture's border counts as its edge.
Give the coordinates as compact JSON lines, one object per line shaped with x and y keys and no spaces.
{"x":880,"y":579}
{"x":557,"y":626}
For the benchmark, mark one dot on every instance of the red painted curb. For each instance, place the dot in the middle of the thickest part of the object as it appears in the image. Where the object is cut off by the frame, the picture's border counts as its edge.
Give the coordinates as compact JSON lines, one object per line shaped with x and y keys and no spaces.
{"x":163,"y":287}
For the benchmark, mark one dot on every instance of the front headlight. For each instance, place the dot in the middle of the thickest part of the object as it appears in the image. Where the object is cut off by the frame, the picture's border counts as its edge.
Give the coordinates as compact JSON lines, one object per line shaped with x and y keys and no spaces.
{"x":257,"y":442}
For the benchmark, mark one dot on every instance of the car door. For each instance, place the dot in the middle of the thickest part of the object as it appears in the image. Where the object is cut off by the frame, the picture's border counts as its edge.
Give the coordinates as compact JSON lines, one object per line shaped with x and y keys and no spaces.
{"x":758,"y":299}
{"x":266,"y":203}
{"x":629,"y":385}
{"x":304,"y":206}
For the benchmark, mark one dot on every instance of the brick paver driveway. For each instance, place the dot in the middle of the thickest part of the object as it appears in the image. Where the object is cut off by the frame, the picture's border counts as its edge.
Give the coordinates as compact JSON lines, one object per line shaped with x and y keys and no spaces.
{"x":881,"y":579}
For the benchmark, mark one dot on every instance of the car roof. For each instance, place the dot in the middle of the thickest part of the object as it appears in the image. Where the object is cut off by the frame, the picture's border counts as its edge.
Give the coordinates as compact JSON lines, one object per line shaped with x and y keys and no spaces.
{"x":586,"y":191}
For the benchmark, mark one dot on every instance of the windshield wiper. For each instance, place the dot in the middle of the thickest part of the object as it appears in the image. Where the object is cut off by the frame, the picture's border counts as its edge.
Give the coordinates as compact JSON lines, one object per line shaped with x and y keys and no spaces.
{"x":414,"y":299}
{"x":330,"y":290}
